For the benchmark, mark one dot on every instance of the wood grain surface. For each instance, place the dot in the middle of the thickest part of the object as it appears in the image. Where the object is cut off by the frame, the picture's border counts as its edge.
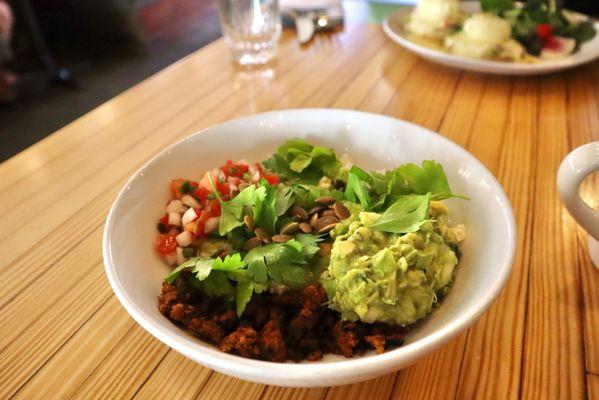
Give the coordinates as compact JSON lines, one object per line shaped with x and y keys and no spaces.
{"x":63,"y":334}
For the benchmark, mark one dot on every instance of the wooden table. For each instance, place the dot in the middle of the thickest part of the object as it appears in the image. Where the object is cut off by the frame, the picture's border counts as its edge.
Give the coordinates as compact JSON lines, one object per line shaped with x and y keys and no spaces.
{"x":63,"y":333}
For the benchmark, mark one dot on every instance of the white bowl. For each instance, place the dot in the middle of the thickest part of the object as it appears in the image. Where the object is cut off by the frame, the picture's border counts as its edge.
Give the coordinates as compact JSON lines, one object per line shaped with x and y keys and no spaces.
{"x":372,"y":141}
{"x":393,"y":26}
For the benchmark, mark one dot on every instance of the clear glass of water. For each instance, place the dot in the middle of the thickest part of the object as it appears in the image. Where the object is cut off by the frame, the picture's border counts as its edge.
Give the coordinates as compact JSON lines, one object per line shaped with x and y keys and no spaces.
{"x":251,"y":29}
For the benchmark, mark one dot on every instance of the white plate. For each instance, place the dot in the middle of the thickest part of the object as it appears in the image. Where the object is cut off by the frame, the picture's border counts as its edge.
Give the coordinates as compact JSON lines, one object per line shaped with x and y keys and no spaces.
{"x":393,"y":25}
{"x":372,"y":141}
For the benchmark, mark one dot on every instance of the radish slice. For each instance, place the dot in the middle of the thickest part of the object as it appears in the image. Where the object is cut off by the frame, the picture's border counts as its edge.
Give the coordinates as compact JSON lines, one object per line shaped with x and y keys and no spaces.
{"x":174,"y":218}
{"x":189,"y":216}
{"x":185,"y":238}
{"x":175,"y":206}
{"x":211,"y":224}
{"x":190,"y":201}
{"x":559,"y":47}
{"x":171,"y":258}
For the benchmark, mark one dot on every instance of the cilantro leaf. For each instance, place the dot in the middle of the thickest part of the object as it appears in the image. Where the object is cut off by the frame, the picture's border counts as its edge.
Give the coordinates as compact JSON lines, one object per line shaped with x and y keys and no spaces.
{"x":264,"y":210}
{"x":496,"y":6}
{"x":298,"y":160}
{"x":201,"y":267}
{"x":429,"y":178}
{"x":217,"y":284}
{"x":284,"y":197}
{"x":356,"y":191}
{"x":407,"y":214}
{"x":232,"y":211}
{"x":243,"y":295}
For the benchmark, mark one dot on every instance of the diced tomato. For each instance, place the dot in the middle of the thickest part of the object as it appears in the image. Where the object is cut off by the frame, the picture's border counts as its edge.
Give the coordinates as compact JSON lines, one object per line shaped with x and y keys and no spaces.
{"x":166,"y":244}
{"x":201,"y":193}
{"x":213,"y":207}
{"x":544,"y":31}
{"x":179,"y":187}
{"x":271,"y":178}
{"x":175,"y":185}
{"x":164,"y":220}
{"x":201,"y":221}
{"x":234,"y":169}
{"x":223,"y":188}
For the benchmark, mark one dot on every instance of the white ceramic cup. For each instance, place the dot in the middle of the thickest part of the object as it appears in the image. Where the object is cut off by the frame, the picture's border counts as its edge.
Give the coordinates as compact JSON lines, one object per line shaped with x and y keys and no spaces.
{"x":576,"y":166}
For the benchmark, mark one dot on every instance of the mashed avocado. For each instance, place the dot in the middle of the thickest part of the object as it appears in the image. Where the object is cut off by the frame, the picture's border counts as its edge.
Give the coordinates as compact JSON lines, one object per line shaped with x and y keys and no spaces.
{"x":374,"y":276}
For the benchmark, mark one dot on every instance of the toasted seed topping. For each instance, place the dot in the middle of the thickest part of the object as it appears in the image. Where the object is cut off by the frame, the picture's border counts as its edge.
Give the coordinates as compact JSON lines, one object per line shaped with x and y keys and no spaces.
{"x":249,"y":222}
{"x":327,"y":228}
{"x":305,"y":227}
{"x":328,"y":213}
{"x":281,"y":238}
{"x":290,"y":227}
{"x":252,"y":243}
{"x":325,"y":200}
{"x":313,"y":218}
{"x":324,"y":249}
{"x":324,"y":221}
{"x":341,"y":211}
{"x":242,"y":186}
{"x":316,"y":209}
{"x":261,"y":233}
{"x":299,"y":213}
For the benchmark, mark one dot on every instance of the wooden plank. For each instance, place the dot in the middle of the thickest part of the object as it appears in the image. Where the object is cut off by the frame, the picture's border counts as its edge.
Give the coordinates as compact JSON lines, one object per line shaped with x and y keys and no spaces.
{"x":176,"y":377}
{"x":125,"y":369}
{"x":593,"y":386}
{"x":278,"y":392}
{"x":23,"y":356}
{"x":553,"y":320}
{"x":379,"y":388}
{"x":492,"y":360}
{"x":62,"y":374}
{"x":222,"y":387}
{"x":583,"y":124}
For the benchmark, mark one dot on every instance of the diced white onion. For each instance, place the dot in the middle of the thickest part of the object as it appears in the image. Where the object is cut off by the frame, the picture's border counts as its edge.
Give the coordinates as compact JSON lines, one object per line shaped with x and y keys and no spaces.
{"x":185,"y":238}
{"x":176,"y":206}
{"x":171,"y":258}
{"x":189,"y":216}
{"x":211,"y":224}
{"x":252,"y":169}
{"x":190,"y":201}
{"x":174,"y":218}
{"x":180,"y":258}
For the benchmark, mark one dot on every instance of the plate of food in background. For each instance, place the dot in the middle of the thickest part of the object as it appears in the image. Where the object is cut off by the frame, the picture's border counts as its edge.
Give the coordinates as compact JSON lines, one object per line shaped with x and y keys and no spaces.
{"x":499,"y":37}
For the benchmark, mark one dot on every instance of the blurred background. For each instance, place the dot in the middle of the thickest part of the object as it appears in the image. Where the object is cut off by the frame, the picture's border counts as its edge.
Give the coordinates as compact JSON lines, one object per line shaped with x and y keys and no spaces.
{"x":61,"y":58}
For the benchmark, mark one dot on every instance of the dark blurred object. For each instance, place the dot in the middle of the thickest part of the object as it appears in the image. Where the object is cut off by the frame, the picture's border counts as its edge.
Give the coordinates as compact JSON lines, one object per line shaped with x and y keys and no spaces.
{"x":55,"y":74}
{"x":589,"y":7}
{"x":90,"y":24}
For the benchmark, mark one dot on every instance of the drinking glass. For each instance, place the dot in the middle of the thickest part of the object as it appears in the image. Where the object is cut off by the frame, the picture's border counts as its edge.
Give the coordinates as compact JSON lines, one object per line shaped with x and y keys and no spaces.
{"x":251,"y":29}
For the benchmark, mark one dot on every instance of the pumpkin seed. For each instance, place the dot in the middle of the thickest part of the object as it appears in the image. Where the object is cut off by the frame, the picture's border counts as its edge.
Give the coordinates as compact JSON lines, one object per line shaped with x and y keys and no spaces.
{"x":252,"y":243}
{"x":249,"y":222}
{"x":262,"y":234}
{"x":324,"y":249}
{"x":316,"y":209}
{"x":313,"y":218}
{"x":281,"y":238}
{"x":341,"y":211}
{"x":327,"y":228}
{"x":290,"y":227}
{"x":299,"y":213}
{"x":328,"y":213}
{"x":242,"y":186}
{"x":325,"y":200}
{"x":305,"y":227}
{"x":324,"y":221}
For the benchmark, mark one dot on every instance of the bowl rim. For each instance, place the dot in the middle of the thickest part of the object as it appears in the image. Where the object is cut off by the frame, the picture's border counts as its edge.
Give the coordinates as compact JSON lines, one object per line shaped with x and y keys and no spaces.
{"x":300,"y":374}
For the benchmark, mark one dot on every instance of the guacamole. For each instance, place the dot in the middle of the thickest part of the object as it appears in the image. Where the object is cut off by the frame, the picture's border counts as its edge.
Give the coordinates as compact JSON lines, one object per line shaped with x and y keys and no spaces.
{"x":397,"y":279}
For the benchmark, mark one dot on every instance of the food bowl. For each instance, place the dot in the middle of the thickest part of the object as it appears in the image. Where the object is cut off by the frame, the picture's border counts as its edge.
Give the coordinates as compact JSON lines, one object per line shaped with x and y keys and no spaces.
{"x":374,"y":142}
